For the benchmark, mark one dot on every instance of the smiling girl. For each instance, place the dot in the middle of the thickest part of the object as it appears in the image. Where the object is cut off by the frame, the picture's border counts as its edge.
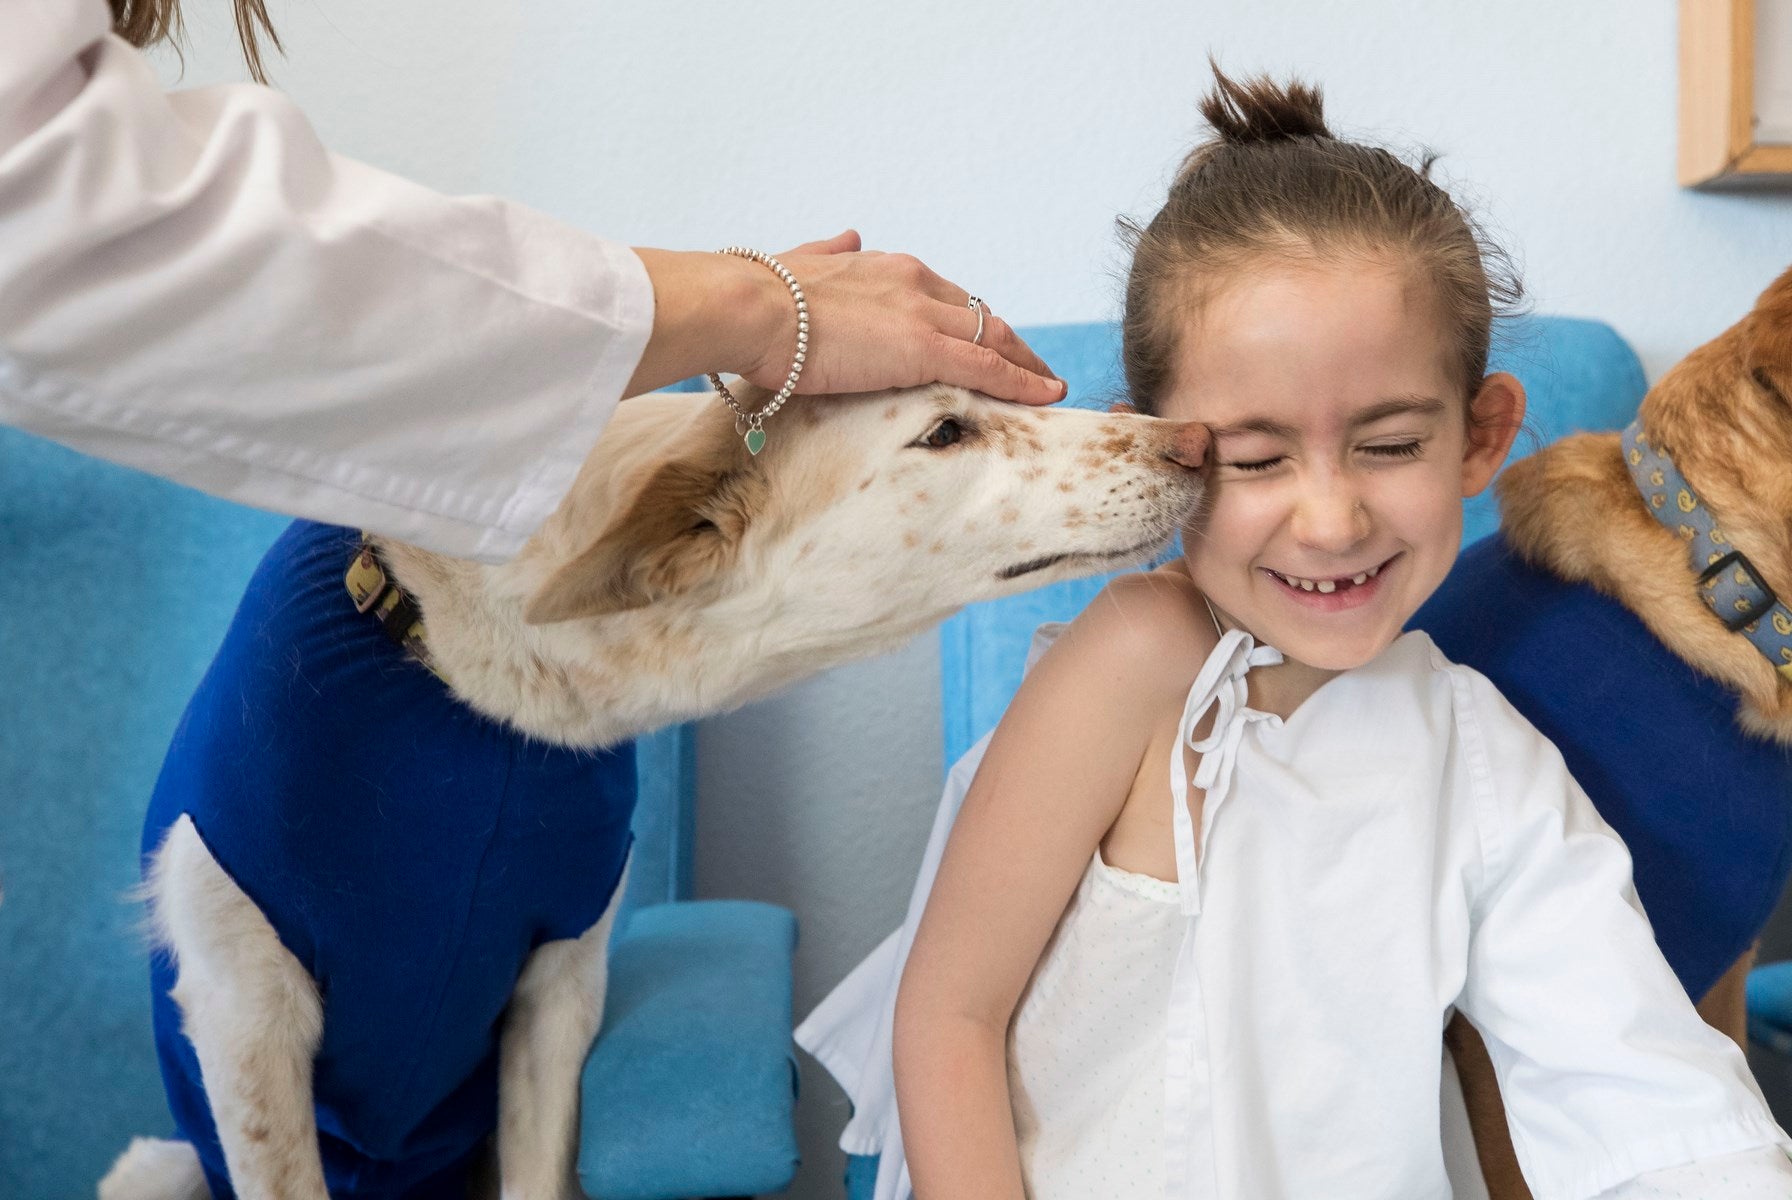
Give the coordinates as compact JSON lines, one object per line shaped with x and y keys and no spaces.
{"x":1240,"y":846}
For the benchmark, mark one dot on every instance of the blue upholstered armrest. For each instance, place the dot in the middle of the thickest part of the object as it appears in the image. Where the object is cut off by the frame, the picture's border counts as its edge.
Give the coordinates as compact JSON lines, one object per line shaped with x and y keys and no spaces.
{"x":1770,"y":1033}
{"x":691,"y":1088}
{"x":1770,"y":1005}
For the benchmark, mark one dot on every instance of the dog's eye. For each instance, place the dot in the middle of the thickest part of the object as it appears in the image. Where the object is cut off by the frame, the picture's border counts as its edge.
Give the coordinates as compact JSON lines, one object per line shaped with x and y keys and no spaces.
{"x":947,"y":433}
{"x":702,"y":526}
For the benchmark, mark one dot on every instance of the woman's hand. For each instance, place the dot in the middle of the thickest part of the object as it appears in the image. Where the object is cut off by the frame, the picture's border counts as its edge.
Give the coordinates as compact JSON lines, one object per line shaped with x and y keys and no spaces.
{"x":875,"y":321}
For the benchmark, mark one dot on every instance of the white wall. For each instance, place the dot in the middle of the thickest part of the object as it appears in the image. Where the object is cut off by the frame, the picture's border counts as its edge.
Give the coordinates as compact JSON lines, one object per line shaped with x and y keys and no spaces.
{"x":997,"y":140}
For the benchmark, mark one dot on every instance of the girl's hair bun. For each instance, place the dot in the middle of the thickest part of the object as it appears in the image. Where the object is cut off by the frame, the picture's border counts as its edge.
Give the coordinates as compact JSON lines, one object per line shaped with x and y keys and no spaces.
{"x":1262,"y":110}
{"x":1272,"y":182}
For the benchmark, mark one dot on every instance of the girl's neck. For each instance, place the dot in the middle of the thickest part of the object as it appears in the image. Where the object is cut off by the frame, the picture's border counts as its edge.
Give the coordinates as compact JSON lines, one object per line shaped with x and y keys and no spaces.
{"x":1285,"y":687}
{"x":1278,"y":689}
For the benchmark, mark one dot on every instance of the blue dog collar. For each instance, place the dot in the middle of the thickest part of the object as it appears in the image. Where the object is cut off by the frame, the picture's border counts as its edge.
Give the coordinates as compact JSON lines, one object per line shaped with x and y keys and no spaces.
{"x":1729,"y":584}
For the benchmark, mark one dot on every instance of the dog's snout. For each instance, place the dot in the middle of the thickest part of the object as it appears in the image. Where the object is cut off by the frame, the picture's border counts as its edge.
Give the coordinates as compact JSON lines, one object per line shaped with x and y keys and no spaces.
{"x":1188,"y":445}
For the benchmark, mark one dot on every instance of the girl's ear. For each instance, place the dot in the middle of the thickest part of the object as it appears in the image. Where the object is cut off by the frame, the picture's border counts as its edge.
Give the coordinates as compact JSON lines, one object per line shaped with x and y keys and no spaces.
{"x":1495,"y":416}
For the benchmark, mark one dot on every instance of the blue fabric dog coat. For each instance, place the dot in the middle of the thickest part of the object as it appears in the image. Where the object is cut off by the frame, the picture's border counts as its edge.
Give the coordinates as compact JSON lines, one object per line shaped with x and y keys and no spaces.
{"x":409,"y":852}
{"x":1705,"y":806}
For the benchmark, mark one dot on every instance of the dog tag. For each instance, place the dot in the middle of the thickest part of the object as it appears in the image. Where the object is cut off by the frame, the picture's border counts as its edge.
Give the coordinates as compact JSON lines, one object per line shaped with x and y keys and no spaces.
{"x":755,"y":440}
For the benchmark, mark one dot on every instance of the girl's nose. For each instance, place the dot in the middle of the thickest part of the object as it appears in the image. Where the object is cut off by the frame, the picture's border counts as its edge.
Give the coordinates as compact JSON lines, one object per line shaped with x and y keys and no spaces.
{"x":1331,"y":515}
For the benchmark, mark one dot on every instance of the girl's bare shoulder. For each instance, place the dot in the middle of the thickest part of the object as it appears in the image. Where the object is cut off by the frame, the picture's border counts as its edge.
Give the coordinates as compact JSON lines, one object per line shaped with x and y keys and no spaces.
{"x":1151,"y":628}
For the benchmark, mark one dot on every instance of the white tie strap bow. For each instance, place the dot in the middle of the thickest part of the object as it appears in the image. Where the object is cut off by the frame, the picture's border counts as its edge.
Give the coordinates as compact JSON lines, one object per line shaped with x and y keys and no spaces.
{"x":1221,"y":683}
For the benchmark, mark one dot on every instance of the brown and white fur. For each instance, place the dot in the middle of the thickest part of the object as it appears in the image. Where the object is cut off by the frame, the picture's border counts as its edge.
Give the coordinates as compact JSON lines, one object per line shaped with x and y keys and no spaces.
{"x":681,"y":577}
{"x":1724,"y":414}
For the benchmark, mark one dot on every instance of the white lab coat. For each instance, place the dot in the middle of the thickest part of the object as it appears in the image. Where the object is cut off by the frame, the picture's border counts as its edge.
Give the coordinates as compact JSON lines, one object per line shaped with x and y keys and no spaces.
{"x":192,"y":285}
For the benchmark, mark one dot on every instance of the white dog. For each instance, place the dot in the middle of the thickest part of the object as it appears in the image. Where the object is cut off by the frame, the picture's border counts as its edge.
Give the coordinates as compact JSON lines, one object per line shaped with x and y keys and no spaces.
{"x":680,"y":578}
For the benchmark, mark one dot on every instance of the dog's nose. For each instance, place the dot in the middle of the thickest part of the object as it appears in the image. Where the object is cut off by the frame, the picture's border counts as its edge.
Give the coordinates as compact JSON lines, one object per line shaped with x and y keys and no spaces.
{"x":1189,"y":444}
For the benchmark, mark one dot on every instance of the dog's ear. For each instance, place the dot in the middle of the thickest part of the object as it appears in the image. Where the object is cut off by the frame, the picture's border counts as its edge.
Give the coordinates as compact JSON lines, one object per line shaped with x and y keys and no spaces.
{"x":681,"y":530}
{"x":1767,"y":353}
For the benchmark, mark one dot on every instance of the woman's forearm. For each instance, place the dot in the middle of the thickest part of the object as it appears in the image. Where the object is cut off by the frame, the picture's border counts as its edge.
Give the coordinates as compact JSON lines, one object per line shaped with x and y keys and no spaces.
{"x":712,"y":312}
{"x":957,"y":1121}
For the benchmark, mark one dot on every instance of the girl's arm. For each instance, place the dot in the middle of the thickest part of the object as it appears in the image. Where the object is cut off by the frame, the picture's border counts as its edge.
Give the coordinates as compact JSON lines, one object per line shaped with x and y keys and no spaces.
{"x":1054,"y":779}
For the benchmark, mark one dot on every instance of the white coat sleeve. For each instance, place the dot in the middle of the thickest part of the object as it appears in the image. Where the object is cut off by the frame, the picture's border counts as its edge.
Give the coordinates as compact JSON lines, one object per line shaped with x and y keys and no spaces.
{"x":1606,"y":1069}
{"x":192,"y":285}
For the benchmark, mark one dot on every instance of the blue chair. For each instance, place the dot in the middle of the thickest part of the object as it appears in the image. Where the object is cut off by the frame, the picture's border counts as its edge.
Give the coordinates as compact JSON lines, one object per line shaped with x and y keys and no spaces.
{"x":1580,"y":375}
{"x":115,"y":589}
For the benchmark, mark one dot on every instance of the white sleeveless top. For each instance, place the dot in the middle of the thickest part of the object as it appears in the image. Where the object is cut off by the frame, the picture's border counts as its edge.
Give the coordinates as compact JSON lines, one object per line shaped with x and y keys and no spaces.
{"x":1403,"y":845}
{"x":1087,"y":1044}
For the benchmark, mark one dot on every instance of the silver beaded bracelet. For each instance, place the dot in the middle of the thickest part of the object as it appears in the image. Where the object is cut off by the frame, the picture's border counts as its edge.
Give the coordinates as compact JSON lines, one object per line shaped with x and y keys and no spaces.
{"x":751,"y":426}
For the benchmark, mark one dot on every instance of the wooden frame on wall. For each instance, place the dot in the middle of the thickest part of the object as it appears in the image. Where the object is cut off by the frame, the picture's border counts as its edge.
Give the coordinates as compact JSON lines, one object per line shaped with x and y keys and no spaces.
{"x":1735,"y":79}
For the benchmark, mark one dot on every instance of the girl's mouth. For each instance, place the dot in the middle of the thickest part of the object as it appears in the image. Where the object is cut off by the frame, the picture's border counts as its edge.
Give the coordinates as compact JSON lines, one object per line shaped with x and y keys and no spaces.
{"x":1331,"y":593}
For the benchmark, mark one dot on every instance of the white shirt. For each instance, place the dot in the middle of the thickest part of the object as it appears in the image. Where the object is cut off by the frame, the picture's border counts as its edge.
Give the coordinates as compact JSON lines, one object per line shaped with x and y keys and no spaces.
{"x":192,"y":285}
{"x":1404,"y":845}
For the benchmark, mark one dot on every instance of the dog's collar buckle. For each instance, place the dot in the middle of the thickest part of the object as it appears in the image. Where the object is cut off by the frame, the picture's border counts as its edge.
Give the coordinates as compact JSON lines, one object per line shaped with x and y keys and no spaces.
{"x":1747,"y":609}
{"x":373,"y":591}
{"x":366,"y":580}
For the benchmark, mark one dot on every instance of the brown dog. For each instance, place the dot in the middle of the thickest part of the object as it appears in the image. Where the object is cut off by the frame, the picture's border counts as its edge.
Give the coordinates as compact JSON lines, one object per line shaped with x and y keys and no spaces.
{"x":1724,"y":414}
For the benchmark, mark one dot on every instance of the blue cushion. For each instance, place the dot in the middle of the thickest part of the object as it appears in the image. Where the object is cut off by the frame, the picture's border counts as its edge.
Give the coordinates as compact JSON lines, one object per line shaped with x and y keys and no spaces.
{"x":665,"y":823}
{"x":861,"y":1174}
{"x":691,"y":1088}
{"x":1579,"y":375}
{"x":1087,"y":357}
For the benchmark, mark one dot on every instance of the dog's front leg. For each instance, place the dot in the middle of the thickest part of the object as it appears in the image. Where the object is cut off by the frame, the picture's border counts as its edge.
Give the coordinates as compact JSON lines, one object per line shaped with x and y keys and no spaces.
{"x":549,"y":1025}
{"x":253,"y":1015}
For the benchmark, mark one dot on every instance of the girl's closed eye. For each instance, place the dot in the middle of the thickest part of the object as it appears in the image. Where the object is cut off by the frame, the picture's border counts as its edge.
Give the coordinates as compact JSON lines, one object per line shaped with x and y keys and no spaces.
{"x":1409,"y":449}
{"x":1263,"y":464}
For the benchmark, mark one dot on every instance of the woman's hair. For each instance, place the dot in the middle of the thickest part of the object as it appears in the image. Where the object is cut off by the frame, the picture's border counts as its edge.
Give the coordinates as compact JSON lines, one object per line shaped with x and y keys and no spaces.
{"x":143,"y":23}
{"x":1274,"y":183}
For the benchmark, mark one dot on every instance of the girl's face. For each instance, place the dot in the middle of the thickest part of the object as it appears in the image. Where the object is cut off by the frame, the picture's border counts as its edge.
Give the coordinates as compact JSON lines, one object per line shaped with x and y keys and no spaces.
{"x":1341,"y":453}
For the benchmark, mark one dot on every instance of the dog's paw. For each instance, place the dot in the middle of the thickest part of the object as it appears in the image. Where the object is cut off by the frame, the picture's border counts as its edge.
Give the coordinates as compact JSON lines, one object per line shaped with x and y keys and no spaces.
{"x":155,"y":1169}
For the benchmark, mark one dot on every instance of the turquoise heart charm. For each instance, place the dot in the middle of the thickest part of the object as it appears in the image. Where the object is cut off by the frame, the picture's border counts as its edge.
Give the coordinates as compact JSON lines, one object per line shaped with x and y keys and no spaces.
{"x":755,"y":440}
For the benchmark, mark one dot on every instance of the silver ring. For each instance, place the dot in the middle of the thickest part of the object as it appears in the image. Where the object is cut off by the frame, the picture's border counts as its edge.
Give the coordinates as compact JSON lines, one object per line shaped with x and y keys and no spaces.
{"x":976,"y":305}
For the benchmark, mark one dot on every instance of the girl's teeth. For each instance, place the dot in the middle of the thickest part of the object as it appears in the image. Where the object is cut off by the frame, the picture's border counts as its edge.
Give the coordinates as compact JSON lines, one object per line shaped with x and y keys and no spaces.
{"x":1326,"y":586}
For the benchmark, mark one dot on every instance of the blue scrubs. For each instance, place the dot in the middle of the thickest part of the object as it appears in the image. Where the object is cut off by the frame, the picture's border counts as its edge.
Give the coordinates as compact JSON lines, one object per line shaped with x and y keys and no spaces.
{"x":1705,"y":806}
{"x":409,"y":852}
